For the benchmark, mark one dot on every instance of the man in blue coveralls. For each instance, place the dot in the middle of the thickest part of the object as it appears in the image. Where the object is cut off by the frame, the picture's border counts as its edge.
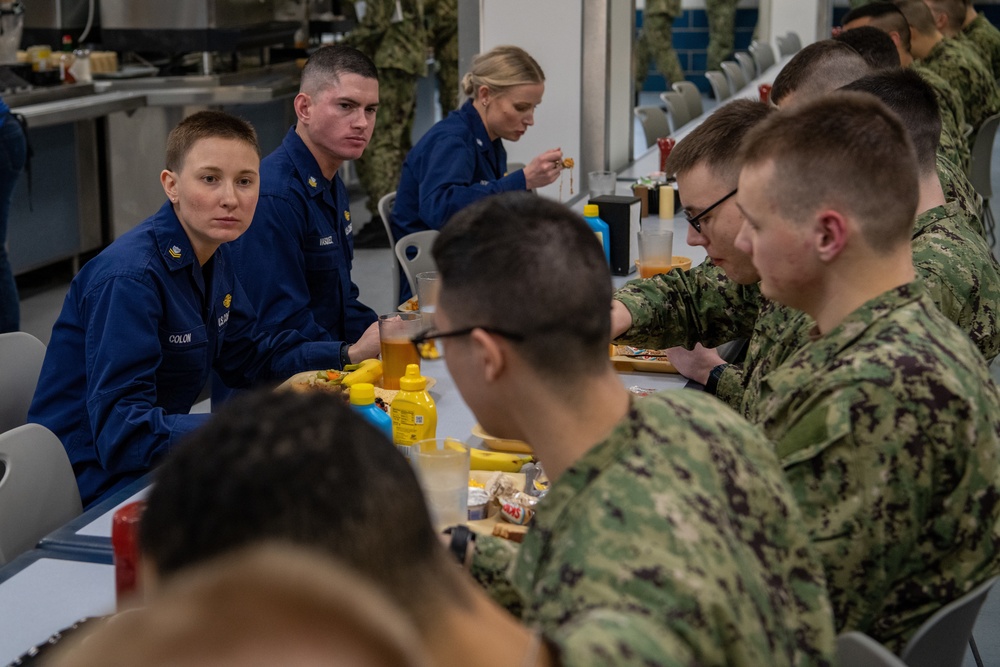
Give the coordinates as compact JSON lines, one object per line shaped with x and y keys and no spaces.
{"x":295,"y":261}
{"x":146,"y":321}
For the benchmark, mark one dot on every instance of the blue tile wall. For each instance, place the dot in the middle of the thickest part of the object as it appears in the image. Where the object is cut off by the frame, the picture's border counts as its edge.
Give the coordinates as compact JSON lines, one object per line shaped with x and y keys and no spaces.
{"x":690,"y":40}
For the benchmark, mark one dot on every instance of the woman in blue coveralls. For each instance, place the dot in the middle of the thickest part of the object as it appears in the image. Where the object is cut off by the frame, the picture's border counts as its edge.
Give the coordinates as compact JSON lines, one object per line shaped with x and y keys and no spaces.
{"x":145,"y":321}
{"x":462,"y":159}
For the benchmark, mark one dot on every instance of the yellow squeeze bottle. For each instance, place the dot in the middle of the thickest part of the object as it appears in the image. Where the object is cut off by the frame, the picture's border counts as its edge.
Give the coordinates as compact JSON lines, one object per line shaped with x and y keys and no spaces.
{"x":414,"y":415}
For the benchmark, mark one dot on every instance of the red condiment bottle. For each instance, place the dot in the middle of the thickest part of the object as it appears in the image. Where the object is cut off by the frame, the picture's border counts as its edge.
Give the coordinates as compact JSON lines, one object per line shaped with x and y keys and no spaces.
{"x":125,"y":545}
{"x":666,"y":145}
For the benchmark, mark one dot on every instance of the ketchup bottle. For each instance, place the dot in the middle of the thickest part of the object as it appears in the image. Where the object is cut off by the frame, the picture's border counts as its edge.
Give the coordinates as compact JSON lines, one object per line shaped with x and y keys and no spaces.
{"x":125,"y":545}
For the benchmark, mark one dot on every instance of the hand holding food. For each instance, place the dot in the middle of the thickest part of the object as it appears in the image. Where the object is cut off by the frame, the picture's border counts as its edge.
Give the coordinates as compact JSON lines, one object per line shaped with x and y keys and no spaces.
{"x":544,"y":169}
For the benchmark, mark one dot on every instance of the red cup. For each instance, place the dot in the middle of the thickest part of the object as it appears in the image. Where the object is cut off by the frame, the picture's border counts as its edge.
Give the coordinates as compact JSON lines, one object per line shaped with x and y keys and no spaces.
{"x":765,"y":92}
{"x":666,"y":145}
{"x":125,"y":545}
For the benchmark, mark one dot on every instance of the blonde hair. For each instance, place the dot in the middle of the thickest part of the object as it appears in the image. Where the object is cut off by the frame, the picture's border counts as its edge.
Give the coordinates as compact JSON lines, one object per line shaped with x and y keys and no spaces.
{"x":501,"y":68}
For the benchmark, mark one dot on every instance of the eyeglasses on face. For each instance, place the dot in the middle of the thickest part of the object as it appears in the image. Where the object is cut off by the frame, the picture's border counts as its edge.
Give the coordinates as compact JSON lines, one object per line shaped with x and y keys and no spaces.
{"x":426,"y":349}
{"x":695,"y":220}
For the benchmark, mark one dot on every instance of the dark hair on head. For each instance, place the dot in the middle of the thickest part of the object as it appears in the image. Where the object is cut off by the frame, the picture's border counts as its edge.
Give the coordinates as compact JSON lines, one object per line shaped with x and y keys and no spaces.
{"x":716,"y":141}
{"x":299,"y":468}
{"x":845,"y":151}
{"x":874,"y":45}
{"x":531,"y":266}
{"x":884,"y":16}
{"x":918,"y":15}
{"x":206,"y":125}
{"x":325,"y":66}
{"x":954,"y":11}
{"x":911,"y":98}
{"x":817,"y":69}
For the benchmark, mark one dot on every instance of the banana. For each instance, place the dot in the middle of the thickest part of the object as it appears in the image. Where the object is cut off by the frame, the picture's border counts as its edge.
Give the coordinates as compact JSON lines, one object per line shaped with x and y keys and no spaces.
{"x":505,"y":462}
{"x":369,"y":370}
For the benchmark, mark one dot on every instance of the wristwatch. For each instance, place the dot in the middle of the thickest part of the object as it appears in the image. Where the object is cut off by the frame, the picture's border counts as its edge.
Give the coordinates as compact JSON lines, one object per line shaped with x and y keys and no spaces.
{"x":345,"y":358}
{"x":713,"y":378}
{"x":461,"y":536}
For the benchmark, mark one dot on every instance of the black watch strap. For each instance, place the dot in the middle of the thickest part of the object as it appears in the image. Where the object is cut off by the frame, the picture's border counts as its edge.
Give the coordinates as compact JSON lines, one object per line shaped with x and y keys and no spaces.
{"x":459,"y":545}
{"x":714,"y":376}
{"x":345,"y":358}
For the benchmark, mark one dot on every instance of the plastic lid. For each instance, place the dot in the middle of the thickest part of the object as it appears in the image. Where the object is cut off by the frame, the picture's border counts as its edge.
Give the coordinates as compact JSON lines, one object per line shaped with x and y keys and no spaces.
{"x":363,"y":393}
{"x":591,"y":211}
{"x":412,"y":380}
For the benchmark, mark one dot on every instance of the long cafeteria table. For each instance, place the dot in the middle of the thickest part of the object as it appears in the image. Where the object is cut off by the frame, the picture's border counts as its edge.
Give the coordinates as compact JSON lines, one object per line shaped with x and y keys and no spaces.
{"x":69,"y":575}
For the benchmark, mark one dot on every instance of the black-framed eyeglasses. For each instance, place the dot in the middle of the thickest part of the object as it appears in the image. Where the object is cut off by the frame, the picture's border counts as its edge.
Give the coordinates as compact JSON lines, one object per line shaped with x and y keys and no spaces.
{"x":426,"y":349}
{"x":695,"y":220}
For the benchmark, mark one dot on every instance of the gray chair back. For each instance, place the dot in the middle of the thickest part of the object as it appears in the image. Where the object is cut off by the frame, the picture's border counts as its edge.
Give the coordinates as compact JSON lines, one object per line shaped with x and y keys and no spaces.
{"x":763,"y":56}
{"x":385,"y":205}
{"x":980,"y":171}
{"x":720,"y":85}
{"x":734,"y":74}
{"x":747,"y":65}
{"x":38,"y":491}
{"x":856,"y":649}
{"x":677,"y":110}
{"x":417,"y":244}
{"x":654,"y":123}
{"x":21,"y":356}
{"x":941,"y":641}
{"x":691,"y":95}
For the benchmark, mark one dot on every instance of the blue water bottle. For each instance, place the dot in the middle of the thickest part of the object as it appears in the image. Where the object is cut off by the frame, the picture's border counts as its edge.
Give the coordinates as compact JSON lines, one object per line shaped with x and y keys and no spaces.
{"x":591,"y":213}
{"x":363,"y":400}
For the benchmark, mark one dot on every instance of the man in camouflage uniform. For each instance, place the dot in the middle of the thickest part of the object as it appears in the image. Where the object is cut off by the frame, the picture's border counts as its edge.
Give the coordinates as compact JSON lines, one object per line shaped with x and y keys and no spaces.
{"x":667,"y":536}
{"x":984,"y":34}
{"x":721,"y":31}
{"x":953,"y":60}
{"x":397,"y":44}
{"x":442,"y":33}
{"x":655,"y":41}
{"x":887,"y":421}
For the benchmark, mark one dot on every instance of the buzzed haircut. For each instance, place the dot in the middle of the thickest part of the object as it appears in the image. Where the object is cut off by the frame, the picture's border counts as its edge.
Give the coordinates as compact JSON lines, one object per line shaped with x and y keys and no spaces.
{"x":817,"y":69}
{"x":844,"y":151}
{"x":885,"y":16}
{"x":302,"y":469}
{"x":326,"y":65}
{"x":716,"y":141}
{"x":206,"y":125}
{"x":911,"y":98}
{"x":954,"y":11}
{"x":918,"y":15}
{"x":529,"y":266}
{"x":874,"y":45}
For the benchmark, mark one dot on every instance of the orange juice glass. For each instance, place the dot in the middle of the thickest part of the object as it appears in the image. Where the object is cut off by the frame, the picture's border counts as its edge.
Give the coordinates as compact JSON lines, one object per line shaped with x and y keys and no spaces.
{"x":395,"y":332}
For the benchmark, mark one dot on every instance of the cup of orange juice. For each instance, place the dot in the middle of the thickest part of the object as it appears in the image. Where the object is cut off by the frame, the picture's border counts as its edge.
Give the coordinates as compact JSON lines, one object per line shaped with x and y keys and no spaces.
{"x":656,"y":251}
{"x":395,"y":333}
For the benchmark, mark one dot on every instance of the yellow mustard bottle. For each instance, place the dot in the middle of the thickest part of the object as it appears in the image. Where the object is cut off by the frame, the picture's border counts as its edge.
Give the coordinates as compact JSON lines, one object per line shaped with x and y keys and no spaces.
{"x":414,"y":415}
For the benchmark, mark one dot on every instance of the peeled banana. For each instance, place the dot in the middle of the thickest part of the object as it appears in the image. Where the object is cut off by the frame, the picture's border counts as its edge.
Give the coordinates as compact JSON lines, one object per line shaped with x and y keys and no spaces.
{"x":369,"y":370}
{"x":480,"y":459}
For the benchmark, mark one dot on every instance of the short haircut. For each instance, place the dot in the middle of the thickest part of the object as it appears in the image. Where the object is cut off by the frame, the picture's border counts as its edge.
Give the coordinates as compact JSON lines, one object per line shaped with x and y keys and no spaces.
{"x":918,"y":15}
{"x":716,"y":141}
{"x":267,"y":604}
{"x":530,"y":266}
{"x":303,"y":469}
{"x":954,"y":10}
{"x":206,"y":125}
{"x":817,"y":69}
{"x":874,"y":45}
{"x":885,"y":16}
{"x":911,"y":98}
{"x":325,"y":66}
{"x":500,"y":69}
{"x":844,"y":151}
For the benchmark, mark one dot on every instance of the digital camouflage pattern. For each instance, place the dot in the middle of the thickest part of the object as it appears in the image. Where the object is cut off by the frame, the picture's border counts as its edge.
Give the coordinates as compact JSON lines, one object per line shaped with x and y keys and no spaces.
{"x":673,"y":542}
{"x":952,"y":144}
{"x":985,"y":35}
{"x":655,"y":41}
{"x":958,"y":62}
{"x":960,"y":274}
{"x":399,"y":51}
{"x":887,"y":429}
{"x":721,"y":31}
{"x":958,"y":188}
{"x":442,"y":34}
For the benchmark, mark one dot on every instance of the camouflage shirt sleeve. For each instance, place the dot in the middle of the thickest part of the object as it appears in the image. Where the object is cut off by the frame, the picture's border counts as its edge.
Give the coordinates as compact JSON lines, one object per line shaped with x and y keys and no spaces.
{"x":491,"y":561}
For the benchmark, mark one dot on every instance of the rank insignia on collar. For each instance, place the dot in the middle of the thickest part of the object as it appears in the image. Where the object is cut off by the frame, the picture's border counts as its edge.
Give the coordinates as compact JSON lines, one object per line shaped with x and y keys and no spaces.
{"x":228,"y":300}
{"x":479,"y":142}
{"x":312,"y":181}
{"x":347,"y":216}
{"x":175,"y":252}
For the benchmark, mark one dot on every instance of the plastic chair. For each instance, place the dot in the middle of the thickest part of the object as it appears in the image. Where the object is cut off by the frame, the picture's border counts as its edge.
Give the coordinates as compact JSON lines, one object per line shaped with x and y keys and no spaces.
{"x":385,"y":205}
{"x":856,"y":649}
{"x":720,"y":85}
{"x":980,"y":171}
{"x":677,"y":110}
{"x":654,"y":123}
{"x":419,"y":244}
{"x":21,"y":356}
{"x":763,"y":56}
{"x":747,"y":65}
{"x":941,"y":640}
{"x":38,"y":491}
{"x":691,"y":95}
{"x":786,"y":46}
{"x":793,"y":40}
{"x":734,"y":74}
